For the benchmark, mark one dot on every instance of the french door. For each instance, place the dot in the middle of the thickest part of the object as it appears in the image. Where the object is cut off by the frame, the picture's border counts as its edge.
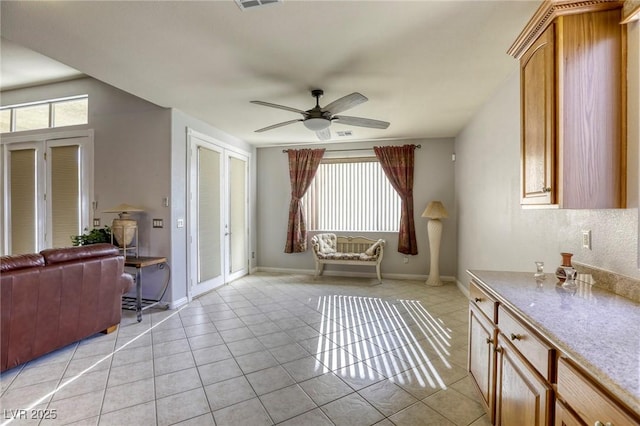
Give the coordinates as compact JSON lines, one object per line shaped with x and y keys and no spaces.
{"x":218,"y":231}
{"x":47,"y":188}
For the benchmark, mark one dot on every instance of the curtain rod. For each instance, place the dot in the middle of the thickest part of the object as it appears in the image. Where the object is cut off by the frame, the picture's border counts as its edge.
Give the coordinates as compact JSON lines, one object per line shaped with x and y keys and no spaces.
{"x":353,"y":149}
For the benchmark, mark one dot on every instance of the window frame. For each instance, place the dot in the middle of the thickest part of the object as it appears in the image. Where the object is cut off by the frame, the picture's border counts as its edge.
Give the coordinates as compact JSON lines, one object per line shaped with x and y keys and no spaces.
{"x":51,"y":115}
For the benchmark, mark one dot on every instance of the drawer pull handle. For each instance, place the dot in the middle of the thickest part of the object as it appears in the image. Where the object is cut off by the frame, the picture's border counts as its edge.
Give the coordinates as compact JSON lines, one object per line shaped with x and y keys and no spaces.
{"x":515,"y":336}
{"x":599,"y":423}
{"x":477,"y":299}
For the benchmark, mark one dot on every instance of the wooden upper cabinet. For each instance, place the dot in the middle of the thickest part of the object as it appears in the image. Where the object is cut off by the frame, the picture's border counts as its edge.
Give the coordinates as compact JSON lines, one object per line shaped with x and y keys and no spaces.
{"x":537,"y":72}
{"x":573,"y":104}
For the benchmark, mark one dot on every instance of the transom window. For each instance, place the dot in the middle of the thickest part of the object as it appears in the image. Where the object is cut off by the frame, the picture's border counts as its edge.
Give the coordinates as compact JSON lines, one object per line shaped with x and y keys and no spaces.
{"x":51,"y":113}
{"x":351,"y":194}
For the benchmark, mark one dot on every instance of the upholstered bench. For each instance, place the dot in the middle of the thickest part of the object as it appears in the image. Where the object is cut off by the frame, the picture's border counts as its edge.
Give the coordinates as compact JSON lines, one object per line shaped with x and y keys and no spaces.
{"x":329,"y":248}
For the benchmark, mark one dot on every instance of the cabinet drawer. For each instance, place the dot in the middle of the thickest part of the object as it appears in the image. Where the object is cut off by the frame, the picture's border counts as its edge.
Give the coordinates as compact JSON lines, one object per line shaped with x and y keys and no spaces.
{"x":487,"y":304}
{"x":536,"y":351}
{"x":589,"y":402}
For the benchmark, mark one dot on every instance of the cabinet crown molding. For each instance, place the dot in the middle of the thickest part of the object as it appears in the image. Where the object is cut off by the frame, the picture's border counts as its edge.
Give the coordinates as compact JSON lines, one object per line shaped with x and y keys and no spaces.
{"x":548,"y":11}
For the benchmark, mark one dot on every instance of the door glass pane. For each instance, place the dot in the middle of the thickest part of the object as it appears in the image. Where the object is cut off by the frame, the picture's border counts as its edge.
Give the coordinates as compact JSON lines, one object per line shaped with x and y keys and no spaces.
{"x":209,"y":249}
{"x":237,"y":216}
{"x":69,"y":113}
{"x":23,"y":201}
{"x":65,"y":194}
{"x":32,"y":117}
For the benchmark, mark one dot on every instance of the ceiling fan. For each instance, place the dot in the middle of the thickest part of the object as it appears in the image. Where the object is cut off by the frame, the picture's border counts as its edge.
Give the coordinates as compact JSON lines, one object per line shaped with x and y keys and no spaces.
{"x":319,"y":119}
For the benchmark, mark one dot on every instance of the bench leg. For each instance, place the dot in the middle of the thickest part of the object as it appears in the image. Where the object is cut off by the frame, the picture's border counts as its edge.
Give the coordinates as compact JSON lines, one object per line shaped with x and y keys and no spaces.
{"x":378,"y":272}
{"x":319,"y":267}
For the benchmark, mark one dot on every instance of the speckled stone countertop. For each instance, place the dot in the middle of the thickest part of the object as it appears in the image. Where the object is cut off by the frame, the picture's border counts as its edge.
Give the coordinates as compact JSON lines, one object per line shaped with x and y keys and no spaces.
{"x":598,"y":330}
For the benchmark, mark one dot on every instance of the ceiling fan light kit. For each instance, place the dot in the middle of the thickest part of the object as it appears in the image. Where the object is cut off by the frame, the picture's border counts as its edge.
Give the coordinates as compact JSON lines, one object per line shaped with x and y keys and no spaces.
{"x":316,"y":124}
{"x":319,"y":119}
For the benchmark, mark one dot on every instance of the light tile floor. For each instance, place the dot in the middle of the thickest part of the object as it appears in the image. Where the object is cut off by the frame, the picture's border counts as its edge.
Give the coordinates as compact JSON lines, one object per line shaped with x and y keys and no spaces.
{"x":265,"y":349}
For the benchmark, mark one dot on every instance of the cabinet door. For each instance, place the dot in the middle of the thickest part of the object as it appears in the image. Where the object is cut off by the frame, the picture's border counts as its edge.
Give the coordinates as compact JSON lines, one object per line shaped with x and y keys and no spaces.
{"x":564,"y":417}
{"x":538,"y":83}
{"x":522,"y":396}
{"x":482,"y":361}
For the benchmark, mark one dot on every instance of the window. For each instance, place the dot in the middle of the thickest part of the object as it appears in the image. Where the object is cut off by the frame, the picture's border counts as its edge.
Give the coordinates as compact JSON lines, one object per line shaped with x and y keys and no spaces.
{"x":45,"y":114}
{"x":351,"y":195}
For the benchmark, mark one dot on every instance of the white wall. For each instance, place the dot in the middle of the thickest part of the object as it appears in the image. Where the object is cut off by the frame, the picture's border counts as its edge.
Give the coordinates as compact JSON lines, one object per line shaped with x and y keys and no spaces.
{"x":494,"y":232}
{"x":433,"y":179}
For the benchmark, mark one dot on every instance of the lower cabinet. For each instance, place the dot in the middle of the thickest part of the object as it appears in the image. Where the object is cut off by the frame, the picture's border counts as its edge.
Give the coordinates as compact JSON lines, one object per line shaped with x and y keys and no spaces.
{"x":564,"y":416}
{"x":482,"y":360}
{"x":587,"y":400}
{"x":515,"y":369}
{"x":523,"y":397}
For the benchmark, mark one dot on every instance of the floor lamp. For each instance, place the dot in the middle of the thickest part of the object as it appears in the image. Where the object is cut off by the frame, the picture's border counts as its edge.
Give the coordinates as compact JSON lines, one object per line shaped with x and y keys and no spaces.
{"x":434,"y":211}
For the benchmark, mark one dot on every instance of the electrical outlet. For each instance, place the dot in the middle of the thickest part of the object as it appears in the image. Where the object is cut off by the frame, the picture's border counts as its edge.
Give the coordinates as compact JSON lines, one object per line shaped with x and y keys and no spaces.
{"x":586,"y":239}
{"x":405,"y":260}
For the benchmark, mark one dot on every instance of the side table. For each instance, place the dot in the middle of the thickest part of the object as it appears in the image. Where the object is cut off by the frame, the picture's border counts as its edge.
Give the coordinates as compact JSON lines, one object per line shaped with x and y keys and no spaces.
{"x":137,"y":303}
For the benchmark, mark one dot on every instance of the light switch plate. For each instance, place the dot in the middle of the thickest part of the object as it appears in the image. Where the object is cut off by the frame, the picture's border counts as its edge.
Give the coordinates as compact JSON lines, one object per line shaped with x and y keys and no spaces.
{"x":96,"y":222}
{"x":180,"y":223}
{"x":158,"y":223}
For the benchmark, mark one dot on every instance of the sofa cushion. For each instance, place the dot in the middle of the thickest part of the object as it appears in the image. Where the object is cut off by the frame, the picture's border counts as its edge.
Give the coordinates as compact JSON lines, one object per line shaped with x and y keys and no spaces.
{"x":67,"y":254}
{"x":20,"y":261}
{"x":347,"y":256}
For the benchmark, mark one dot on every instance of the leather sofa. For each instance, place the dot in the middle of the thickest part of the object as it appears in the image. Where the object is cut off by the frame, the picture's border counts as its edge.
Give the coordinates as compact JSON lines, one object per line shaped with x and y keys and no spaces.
{"x":57,"y":297}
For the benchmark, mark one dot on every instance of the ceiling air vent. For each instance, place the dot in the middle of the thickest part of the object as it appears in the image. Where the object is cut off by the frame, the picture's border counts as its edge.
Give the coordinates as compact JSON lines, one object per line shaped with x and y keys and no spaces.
{"x":345,"y":133}
{"x":250,"y":4}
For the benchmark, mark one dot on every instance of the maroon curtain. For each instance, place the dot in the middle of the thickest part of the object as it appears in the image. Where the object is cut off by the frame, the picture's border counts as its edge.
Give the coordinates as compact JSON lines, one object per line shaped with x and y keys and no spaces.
{"x":303,"y":164}
{"x":397,"y":163}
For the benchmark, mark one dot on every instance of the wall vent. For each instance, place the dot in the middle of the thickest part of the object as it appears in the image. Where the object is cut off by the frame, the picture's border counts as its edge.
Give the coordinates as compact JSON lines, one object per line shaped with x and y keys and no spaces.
{"x":343,"y":133}
{"x":250,"y":4}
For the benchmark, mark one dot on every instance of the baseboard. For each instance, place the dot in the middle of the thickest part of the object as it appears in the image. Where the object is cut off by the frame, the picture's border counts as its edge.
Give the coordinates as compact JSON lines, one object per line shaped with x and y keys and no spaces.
{"x":329,"y":273}
{"x":464,"y":289}
{"x":178,"y":303}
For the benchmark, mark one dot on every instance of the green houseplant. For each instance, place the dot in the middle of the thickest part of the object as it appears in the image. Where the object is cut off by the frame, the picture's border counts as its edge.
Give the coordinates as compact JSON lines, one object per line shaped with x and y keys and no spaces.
{"x":94,"y":236}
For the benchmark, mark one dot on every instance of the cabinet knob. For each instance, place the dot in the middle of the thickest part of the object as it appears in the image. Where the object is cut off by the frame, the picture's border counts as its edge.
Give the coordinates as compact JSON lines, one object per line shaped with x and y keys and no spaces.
{"x":489,"y":341}
{"x":477,"y":299}
{"x":546,"y":189}
{"x":599,"y":423}
{"x":515,"y":336}
{"x":498,"y":349}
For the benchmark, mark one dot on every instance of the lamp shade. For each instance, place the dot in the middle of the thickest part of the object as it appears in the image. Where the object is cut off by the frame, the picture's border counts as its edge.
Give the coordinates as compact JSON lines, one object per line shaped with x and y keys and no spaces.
{"x":435,"y":210}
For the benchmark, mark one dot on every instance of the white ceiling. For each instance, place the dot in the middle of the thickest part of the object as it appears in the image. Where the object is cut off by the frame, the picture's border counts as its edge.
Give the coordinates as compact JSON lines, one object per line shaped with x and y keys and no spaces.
{"x":426,"y":66}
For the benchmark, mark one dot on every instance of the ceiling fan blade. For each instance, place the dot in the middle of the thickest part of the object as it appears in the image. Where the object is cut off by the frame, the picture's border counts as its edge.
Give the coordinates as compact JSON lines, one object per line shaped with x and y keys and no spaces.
{"x":275,"y":126}
{"x":269,"y":104}
{"x":362,"y":122}
{"x":324,"y":134}
{"x":345,"y":102}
